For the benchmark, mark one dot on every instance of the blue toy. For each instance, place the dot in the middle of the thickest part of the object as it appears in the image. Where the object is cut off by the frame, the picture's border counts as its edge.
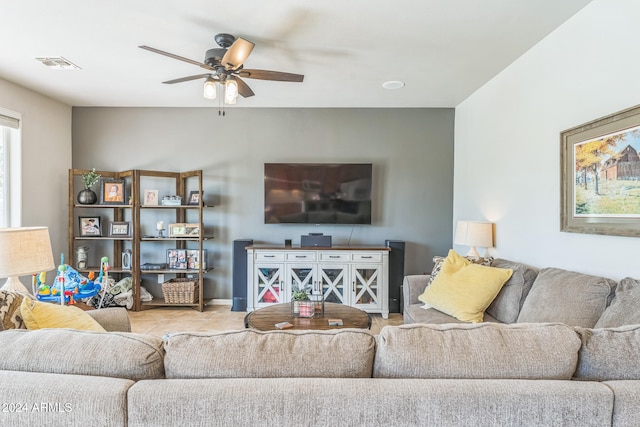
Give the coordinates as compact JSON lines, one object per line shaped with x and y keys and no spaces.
{"x":68,"y":286}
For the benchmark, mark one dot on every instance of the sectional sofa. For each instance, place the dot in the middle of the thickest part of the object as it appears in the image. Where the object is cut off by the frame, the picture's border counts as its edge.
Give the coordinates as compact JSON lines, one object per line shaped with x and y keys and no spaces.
{"x":533,"y":295}
{"x":496,"y":373}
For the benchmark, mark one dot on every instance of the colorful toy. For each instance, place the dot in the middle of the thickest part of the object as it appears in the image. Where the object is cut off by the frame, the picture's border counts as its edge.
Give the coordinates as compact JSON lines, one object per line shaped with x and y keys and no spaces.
{"x":68,"y":285}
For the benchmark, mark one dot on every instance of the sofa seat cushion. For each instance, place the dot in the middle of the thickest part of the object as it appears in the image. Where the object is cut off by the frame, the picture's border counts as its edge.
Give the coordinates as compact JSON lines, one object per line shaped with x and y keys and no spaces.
{"x":35,"y":399}
{"x":67,"y":351}
{"x":508,"y":303}
{"x":417,"y":313}
{"x":572,"y":298}
{"x":477,"y":351}
{"x":249,"y":353}
{"x":321,"y":402}
{"x":10,"y":316}
{"x":609,"y":354}
{"x":625,"y":306}
{"x":626,"y":410}
{"x":463,"y":289}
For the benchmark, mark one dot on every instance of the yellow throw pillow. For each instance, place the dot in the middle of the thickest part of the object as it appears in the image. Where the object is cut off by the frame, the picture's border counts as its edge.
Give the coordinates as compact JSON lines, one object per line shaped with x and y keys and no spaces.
{"x":464,"y":290}
{"x":39,"y":315}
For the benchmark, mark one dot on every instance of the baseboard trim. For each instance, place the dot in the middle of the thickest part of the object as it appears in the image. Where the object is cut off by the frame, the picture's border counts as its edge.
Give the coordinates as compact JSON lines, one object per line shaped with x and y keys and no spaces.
{"x":219,"y":302}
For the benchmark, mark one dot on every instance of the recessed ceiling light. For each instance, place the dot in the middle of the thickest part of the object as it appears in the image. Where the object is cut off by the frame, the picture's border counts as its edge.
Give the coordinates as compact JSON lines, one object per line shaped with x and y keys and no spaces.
{"x":58,"y":63}
{"x":393,"y":84}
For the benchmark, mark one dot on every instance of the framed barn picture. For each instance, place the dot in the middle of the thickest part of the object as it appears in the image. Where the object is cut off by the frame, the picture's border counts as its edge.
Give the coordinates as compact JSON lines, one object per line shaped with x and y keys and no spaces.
{"x":600,"y":176}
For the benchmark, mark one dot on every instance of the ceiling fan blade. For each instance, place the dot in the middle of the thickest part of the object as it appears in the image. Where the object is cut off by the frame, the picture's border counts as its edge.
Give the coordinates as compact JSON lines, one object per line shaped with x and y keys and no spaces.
{"x":237,"y":53}
{"x":186,"y":79}
{"x":271,"y":75}
{"x":179,"y":58}
{"x":243,"y":88}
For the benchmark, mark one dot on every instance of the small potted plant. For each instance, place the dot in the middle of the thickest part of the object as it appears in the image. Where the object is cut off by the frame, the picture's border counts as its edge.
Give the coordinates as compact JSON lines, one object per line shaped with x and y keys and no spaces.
{"x":87,"y":196}
{"x":298,"y":297}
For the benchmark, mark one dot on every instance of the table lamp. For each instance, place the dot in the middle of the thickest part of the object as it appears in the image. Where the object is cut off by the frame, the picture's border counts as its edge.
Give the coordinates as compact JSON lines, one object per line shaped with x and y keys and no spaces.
{"x":474,"y":233}
{"x":24,"y":251}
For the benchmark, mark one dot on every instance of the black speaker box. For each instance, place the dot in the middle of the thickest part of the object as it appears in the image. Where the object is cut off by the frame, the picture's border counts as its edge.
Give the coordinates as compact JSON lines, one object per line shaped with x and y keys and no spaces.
{"x":240,"y":274}
{"x":317,"y":240}
{"x":396,"y":275}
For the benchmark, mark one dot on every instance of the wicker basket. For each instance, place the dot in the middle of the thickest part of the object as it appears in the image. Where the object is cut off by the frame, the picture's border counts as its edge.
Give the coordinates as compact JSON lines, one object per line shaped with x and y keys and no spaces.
{"x":180,"y":291}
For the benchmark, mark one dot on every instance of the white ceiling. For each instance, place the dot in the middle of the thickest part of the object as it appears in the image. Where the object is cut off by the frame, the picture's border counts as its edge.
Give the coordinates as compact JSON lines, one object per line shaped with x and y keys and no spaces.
{"x":442,"y":49}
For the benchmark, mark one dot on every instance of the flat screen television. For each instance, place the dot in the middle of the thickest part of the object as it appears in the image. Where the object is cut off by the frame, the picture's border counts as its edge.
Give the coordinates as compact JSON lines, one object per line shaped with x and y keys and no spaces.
{"x":317,"y":193}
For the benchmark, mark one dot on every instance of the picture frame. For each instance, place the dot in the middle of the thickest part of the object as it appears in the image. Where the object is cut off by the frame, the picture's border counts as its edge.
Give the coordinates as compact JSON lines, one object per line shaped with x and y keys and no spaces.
{"x":600,"y":176}
{"x":184,"y":230}
{"x":177,"y":259}
{"x":194,"y":259}
{"x":194,"y":198}
{"x":120,"y":229}
{"x":186,"y":259}
{"x":150,"y":198}
{"x":113,"y":192}
{"x":90,"y":226}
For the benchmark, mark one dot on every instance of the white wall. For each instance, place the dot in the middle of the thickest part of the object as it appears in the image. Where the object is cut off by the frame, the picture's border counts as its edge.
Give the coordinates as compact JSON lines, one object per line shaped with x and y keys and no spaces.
{"x":507,"y":139}
{"x":411,"y":151}
{"x":46,"y":159}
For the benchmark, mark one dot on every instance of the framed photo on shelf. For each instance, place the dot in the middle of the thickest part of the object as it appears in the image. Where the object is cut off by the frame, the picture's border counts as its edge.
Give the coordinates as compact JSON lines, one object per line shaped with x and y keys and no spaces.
{"x":120,"y":229}
{"x":194,"y":259}
{"x":177,"y":259}
{"x":90,"y":226}
{"x":112,"y":192}
{"x":150,"y":198}
{"x":194,"y":198}
{"x":184,"y":230}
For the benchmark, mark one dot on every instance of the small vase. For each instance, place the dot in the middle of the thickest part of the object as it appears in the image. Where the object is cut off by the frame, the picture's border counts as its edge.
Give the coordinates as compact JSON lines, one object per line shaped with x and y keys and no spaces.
{"x":87,"y":197}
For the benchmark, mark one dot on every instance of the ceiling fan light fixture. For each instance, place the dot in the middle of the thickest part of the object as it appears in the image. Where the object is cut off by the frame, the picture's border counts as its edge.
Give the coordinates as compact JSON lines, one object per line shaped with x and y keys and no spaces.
{"x":237,"y":53}
{"x":231,"y":92}
{"x":210,"y":88}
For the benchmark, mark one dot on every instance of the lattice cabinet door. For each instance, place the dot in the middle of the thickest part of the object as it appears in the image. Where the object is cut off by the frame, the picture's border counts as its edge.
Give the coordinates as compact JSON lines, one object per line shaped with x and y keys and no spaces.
{"x":269,"y":280}
{"x":334,"y":281}
{"x":300,"y":276}
{"x":366,"y":283}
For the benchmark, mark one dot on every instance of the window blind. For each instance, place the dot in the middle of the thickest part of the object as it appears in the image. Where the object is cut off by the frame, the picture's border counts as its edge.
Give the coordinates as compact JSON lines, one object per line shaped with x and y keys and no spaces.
{"x":10,"y":122}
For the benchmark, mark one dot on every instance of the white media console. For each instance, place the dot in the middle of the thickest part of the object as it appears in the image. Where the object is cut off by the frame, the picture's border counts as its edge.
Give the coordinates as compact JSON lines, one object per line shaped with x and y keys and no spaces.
{"x":356,"y":276}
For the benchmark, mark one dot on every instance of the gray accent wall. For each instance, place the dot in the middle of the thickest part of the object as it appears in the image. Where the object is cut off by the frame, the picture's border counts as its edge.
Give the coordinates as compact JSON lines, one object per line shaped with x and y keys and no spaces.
{"x":411,"y":151}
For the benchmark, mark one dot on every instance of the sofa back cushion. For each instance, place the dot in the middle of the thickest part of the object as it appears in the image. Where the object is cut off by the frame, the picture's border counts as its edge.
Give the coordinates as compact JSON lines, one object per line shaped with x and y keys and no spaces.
{"x":67,"y":351}
{"x":477,"y":351}
{"x":625,"y":306}
{"x":572,"y":298}
{"x":508,"y":303}
{"x":609,"y":354}
{"x":345,"y":353}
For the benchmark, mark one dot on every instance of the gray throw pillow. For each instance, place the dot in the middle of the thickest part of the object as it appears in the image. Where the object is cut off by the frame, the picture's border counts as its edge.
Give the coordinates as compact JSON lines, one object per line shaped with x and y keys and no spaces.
{"x":508,"y":303}
{"x":624,"y":309}
{"x":572,"y":298}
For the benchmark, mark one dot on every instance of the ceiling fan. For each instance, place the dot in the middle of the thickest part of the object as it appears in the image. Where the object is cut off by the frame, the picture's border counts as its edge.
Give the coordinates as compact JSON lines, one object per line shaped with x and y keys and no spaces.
{"x":225,"y":67}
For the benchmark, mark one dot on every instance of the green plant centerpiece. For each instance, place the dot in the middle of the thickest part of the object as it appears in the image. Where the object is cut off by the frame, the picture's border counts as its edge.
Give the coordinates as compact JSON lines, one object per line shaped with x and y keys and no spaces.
{"x":90,"y":178}
{"x":298,"y":294}
{"x":87,"y":196}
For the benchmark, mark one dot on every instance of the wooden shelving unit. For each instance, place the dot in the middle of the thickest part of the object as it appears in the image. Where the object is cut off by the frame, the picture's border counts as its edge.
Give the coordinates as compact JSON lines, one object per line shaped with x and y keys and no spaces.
{"x":138,"y":214}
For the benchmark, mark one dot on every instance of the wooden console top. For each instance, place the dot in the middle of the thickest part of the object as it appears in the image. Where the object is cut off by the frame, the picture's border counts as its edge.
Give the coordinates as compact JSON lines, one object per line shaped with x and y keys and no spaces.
{"x":317,"y":248}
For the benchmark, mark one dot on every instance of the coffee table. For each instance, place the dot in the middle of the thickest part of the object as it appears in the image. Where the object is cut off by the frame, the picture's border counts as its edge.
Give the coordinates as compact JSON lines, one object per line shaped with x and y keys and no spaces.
{"x":264,"y":319}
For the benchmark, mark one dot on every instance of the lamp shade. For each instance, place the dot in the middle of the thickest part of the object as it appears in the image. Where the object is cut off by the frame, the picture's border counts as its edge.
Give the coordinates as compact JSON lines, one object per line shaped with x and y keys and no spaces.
{"x":24,"y":251}
{"x":474,"y":233}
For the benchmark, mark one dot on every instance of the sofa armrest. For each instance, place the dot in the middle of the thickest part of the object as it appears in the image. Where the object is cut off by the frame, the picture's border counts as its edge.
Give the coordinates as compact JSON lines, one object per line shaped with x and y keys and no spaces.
{"x":413,"y":286}
{"x":114,"y":319}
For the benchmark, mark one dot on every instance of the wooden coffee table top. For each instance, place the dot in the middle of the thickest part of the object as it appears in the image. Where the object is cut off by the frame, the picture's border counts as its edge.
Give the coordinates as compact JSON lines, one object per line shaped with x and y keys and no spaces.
{"x":264,"y":319}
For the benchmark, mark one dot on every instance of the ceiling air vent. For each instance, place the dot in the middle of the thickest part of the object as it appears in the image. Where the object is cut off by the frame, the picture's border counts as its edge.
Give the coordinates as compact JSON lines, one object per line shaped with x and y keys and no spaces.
{"x":58,"y":63}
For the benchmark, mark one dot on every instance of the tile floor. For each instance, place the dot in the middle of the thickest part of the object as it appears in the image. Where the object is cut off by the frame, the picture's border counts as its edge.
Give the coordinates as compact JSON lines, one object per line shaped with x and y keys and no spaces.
{"x":160,"y":321}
